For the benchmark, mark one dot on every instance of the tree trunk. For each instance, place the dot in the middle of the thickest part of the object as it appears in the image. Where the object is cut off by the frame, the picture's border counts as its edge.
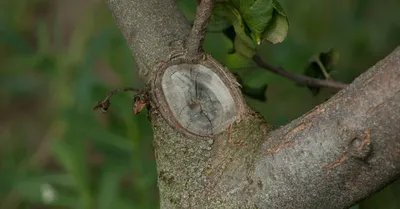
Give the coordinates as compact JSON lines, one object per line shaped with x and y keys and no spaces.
{"x":215,"y":152}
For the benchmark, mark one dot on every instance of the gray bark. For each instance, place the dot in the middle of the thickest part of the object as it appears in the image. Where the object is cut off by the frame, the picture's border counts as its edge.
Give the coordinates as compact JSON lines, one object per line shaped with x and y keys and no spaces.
{"x":337,"y":154}
{"x":152,"y":29}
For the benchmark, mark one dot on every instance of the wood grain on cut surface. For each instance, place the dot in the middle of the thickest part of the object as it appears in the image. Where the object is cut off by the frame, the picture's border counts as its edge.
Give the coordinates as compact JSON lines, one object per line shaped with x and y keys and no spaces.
{"x":198,"y":99}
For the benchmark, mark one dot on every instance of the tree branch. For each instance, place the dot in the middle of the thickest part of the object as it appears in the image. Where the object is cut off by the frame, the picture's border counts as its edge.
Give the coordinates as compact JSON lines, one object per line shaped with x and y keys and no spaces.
{"x":198,"y":32}
{"x":300,"y":79}
{"x":152,"y":28}
{"x":339,"y":153}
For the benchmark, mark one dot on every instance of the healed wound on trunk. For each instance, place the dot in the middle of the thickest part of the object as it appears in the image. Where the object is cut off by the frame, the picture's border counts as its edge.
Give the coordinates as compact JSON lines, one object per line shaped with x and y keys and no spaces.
{"x":198,"y":100}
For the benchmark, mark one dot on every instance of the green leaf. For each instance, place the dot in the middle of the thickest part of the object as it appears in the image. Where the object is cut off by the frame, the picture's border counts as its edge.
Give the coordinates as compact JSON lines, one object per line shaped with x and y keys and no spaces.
{"x":218,"y":24}
{"x":329,"y":59}
{"x":320,"y":65}
{"x":254,"y":21}
{"x":278,"y":8}
{"x":243,"y":49}
{"x":277,"y":30}
{"x":228,"y":11}
{"x":256,"y":15}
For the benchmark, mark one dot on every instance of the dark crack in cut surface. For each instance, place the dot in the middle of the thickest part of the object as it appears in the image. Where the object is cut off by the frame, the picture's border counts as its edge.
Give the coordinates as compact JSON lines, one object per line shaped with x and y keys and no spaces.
{"x":198,"y":99}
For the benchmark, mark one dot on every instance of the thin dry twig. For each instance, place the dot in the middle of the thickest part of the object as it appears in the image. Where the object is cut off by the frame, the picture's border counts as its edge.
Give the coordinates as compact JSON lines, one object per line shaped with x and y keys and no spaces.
{"x":300,"y":79}
{"x":105,"y":103}
{"x":198,"y":32}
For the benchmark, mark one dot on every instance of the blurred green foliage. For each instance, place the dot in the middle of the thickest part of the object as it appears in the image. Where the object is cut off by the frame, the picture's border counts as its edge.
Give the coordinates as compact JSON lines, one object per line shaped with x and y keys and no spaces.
{"x":58,"y":58}
{"x":253,"y":22}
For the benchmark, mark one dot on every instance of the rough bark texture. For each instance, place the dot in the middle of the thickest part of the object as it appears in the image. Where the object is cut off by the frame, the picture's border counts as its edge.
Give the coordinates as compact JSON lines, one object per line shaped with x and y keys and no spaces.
{"x":339,"y":153}
{"x":332,"y":157}
{"x":152,"y":29}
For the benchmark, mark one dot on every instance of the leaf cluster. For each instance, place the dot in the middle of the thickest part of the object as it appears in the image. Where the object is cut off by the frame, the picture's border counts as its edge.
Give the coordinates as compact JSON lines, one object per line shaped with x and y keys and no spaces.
{"x":253,"y":22}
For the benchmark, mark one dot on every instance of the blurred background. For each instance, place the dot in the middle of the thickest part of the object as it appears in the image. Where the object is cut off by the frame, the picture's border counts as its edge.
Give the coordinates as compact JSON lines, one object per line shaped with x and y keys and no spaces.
{"x":58,"y":58}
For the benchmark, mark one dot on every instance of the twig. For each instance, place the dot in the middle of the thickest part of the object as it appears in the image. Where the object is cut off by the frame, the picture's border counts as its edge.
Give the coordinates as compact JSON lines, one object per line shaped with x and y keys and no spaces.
{"x":324,"y":71}
{"x":105,"y":103}
{"x":198,"y":32}
{"x":300,"y":79}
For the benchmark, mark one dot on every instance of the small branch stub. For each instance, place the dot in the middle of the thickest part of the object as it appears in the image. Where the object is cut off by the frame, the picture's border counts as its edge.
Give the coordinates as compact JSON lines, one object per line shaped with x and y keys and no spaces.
{"x":193,"y":96}
{"x":140,"y":100}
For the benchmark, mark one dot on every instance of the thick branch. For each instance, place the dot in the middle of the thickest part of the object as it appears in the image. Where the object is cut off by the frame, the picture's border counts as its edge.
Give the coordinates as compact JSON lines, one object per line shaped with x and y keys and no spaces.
{"x":339,"y":153}
{"x":300,"y":79}
{"x":152,"y":28}
{"x":332,"y":157}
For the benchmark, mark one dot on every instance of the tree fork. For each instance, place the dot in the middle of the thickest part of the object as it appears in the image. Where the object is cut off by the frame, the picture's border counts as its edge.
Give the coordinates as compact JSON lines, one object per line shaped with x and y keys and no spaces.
{"x":333,"y":156}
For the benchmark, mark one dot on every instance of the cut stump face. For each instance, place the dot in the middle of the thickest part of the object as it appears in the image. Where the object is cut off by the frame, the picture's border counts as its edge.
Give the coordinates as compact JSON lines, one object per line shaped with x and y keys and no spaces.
{"x":198,"y":99}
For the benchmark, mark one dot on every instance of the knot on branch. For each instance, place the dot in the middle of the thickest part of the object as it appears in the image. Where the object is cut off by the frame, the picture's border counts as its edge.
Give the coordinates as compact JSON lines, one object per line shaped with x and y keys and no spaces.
{"x":360,"y":146}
